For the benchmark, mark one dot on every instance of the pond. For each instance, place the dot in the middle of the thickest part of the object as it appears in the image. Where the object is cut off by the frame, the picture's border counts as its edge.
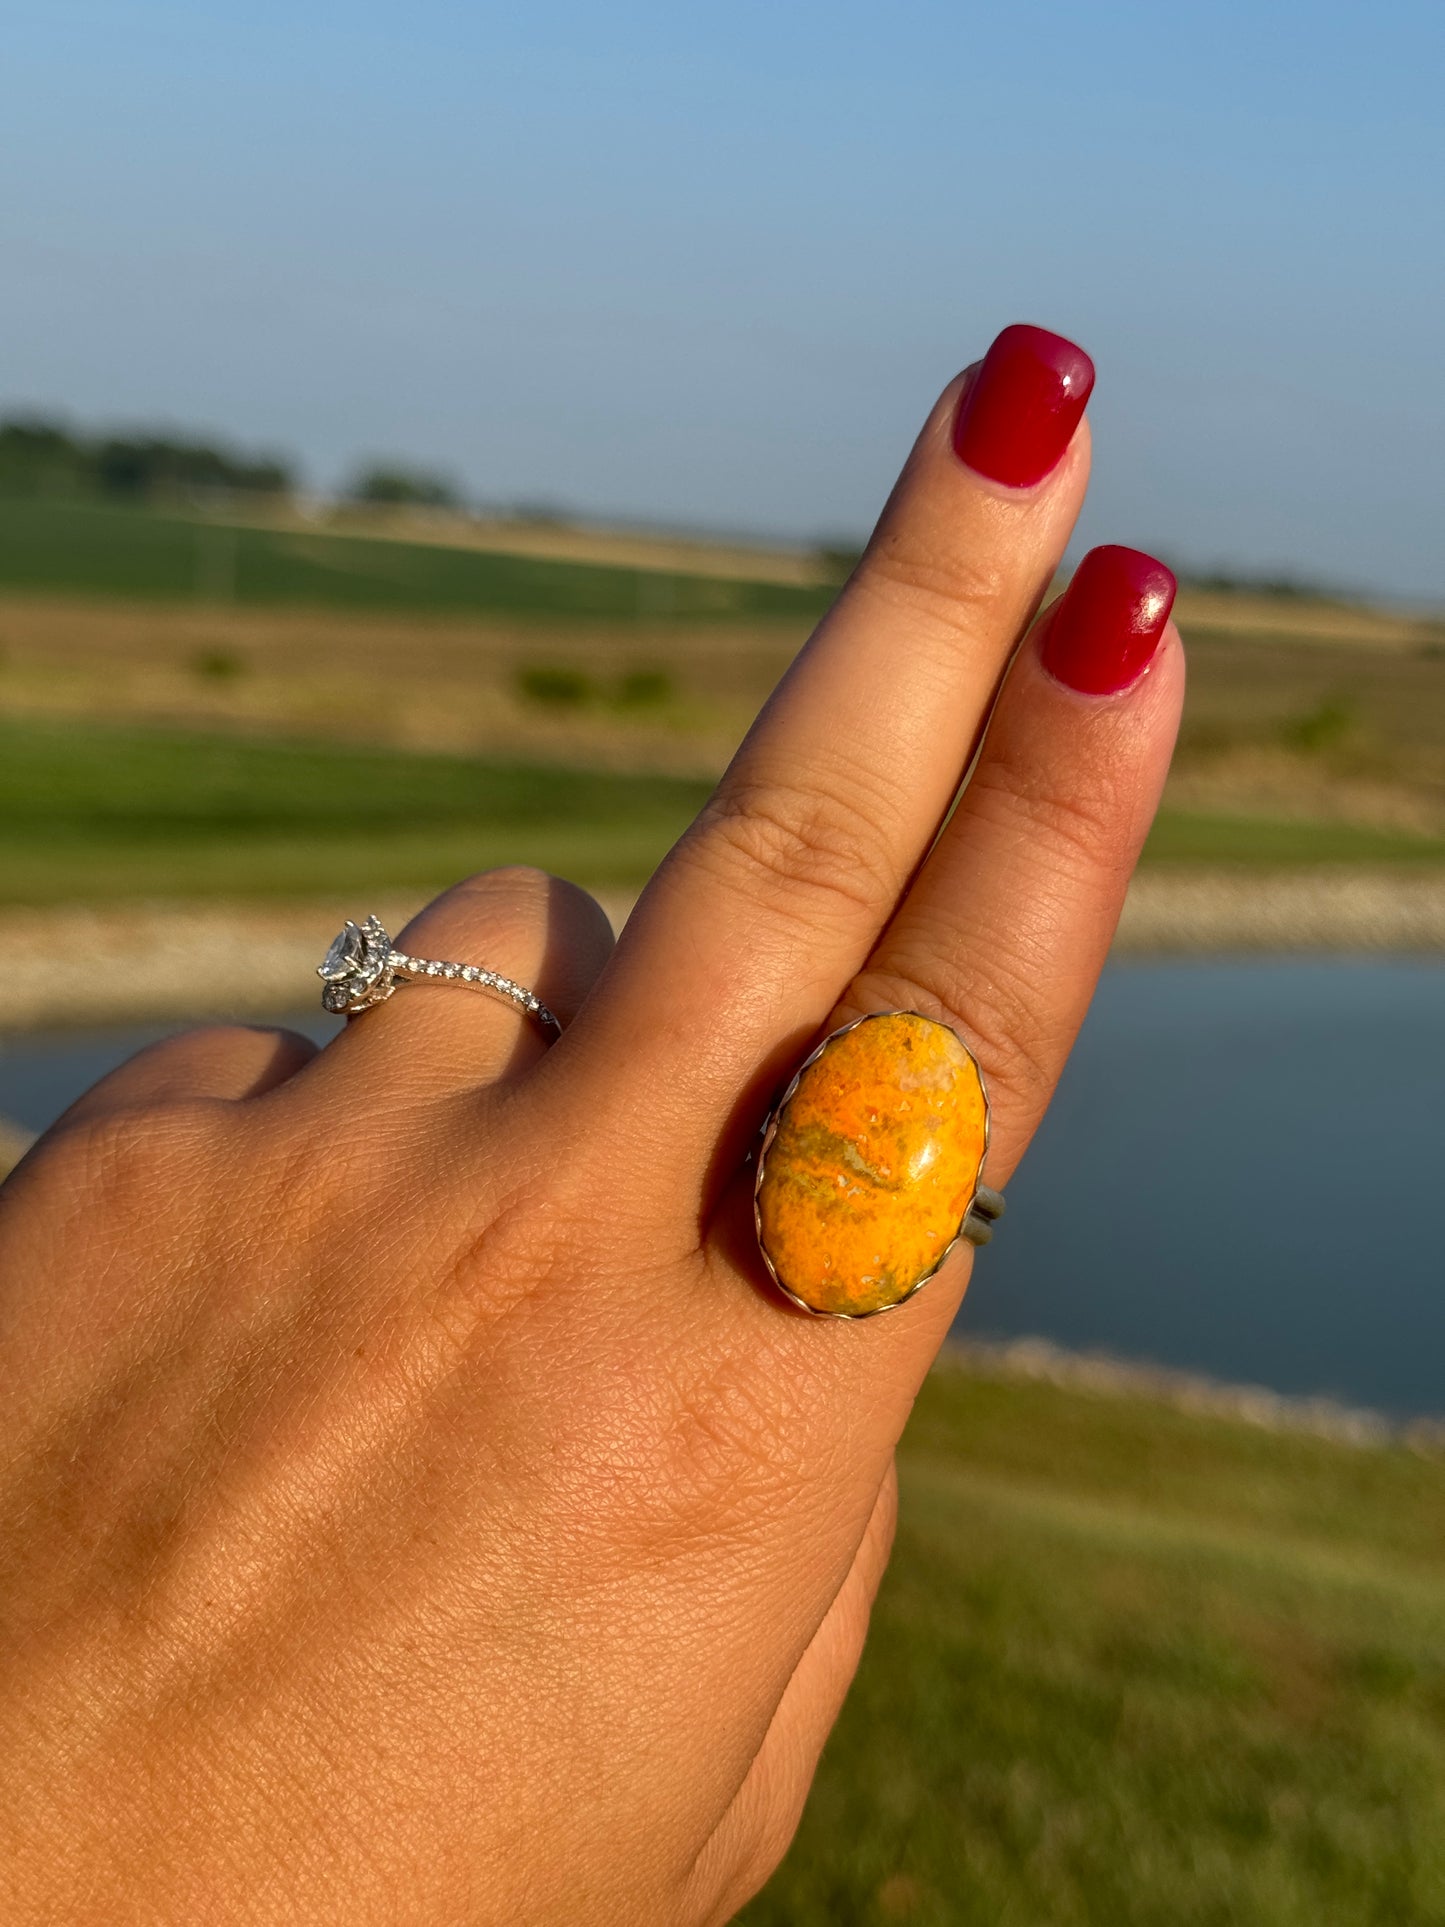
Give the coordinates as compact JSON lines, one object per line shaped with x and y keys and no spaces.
{"x":1242,"y":1176}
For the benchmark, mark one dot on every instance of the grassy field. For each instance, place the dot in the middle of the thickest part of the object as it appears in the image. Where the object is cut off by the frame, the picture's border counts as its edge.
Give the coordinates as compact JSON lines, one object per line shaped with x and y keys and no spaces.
{"x":1267,"y":843}
{"x":1133,"y":1666}
{"x":99,"y":550}
{"x":1130,"y":1666}
{"x":97,"y":814}
{"x":1314,"y":732}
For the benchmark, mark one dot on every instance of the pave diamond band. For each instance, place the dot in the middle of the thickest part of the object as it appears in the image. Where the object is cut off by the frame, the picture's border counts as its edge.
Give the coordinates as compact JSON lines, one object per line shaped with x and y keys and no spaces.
{"x":362,"y":968}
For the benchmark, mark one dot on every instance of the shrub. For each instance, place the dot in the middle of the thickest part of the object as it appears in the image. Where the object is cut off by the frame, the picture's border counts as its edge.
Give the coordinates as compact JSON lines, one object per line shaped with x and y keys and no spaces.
{"x":217,"y":665}
{"x":555,"y":688}
{"x":393,"y":485}
{"x":1322,"y":728}
{"x":644,"y":688}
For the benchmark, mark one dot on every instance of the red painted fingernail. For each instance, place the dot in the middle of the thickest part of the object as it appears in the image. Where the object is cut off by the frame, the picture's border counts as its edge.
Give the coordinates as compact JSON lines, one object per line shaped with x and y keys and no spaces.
{"x":1104,"y":631}
{"x":1022,"y":407}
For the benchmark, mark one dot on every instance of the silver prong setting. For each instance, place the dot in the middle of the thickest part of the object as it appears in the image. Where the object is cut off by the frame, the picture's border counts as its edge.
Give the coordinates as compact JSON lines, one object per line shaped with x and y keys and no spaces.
{"x":362,"y":969}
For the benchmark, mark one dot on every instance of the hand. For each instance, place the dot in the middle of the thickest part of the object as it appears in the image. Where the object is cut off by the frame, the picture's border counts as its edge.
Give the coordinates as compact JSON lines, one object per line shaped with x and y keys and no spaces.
{"x":416,"y":1504}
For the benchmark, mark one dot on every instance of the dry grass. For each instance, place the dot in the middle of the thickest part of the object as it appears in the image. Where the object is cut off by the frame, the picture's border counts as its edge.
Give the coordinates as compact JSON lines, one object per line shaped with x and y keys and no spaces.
{"x":412,"y":682}
{"x":1307,"y":618}
{"x":1318,"y":618}
{"x":555,"y":542}
{"x":1295,"y":710}
{"x":1325,"y":729}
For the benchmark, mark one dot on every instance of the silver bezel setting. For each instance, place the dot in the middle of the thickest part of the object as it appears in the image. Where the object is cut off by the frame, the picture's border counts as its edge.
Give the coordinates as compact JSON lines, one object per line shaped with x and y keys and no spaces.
{"x":989,"y":1204}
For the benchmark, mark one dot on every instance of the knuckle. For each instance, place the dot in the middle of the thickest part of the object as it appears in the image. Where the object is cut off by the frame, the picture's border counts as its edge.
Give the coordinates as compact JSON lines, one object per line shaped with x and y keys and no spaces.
{"x":216,"y":1038}
{"x":956,"y":594}
{"x":237,"y":1049}
{"x":1069,"y":830}
{"x":997,"y":1011}
{"x":520,"y":897}
{"x":520,"y":883}
{"x":127,"y":1158}
{"x":1022,"y":1052}
{"x":802,"y":850}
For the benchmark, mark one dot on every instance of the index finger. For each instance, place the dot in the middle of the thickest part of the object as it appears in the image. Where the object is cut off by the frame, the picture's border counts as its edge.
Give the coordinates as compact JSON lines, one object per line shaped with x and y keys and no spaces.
{"x":772,"y":901}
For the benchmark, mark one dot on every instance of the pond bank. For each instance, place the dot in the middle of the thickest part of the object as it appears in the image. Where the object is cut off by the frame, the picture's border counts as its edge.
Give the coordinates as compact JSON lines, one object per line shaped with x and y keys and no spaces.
{"x":1101,"y":1375}
{"x":1193,"y":1196}
{"x":200,"y":960}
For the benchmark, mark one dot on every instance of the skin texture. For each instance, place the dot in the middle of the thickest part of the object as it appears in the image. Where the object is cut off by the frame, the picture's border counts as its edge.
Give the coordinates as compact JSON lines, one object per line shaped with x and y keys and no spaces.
{"x":416,"y":1504}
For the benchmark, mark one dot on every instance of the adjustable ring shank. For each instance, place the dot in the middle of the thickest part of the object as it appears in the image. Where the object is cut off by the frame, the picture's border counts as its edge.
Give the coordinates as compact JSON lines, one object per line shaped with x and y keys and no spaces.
{"x":983,"y":1214}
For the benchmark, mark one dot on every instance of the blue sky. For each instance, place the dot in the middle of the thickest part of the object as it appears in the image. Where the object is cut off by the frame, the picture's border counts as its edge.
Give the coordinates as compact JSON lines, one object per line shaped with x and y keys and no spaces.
{"x":711,"y":264}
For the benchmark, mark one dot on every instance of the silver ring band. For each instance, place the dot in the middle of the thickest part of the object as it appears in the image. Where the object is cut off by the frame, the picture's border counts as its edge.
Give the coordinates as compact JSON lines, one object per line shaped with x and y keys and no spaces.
{"x":362,"y":969}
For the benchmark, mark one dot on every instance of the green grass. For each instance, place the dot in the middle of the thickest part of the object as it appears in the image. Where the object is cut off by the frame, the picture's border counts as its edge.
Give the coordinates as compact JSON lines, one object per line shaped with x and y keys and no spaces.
{"x":1136,"y":1666}
{"x":94,"y":549}
{"x":94,"y":814}
{"x":1181,"y":837}
{"x":89,"y":813}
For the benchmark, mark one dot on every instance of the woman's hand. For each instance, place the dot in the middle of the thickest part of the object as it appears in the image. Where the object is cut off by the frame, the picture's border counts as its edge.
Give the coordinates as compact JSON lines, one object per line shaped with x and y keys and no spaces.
{"x":416,"y":1504}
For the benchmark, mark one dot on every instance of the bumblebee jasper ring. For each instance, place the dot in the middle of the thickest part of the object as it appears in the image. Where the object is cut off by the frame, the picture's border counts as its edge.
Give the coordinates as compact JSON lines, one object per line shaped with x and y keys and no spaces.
{"x":871,"y":1165}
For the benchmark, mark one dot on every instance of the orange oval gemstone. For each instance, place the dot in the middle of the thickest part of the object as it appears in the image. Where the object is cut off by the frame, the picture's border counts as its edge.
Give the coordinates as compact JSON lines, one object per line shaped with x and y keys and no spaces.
{"x":873,"y":1165}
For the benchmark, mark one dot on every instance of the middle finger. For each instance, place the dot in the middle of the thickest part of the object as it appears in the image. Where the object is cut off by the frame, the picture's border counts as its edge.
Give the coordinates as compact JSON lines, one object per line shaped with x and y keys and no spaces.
{"x":773,"y":899}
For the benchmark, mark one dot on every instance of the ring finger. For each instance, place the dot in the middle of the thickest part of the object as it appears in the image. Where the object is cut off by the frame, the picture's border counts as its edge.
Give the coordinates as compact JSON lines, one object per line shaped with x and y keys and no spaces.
{"x":436,"y":1037}
{"x":1008,"y":923}
{"x":1002,"y":936}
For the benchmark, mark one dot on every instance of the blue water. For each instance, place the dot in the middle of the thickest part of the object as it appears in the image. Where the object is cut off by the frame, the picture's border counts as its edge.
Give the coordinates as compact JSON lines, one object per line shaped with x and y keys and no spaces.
{"x":1243,"y":1174}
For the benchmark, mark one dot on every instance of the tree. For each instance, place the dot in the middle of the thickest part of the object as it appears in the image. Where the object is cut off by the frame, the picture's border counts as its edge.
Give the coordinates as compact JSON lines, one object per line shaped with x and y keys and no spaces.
{"x":393,"y":484}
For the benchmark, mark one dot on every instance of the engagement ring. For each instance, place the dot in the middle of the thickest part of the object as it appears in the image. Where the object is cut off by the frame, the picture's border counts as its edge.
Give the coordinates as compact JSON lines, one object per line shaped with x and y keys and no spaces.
{"x":361,"y":969}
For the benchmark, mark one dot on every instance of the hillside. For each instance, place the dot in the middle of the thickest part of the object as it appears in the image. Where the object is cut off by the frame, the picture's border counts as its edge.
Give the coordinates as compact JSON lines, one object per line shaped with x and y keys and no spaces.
{"x":99,"y":549}
{"x":93,"y":813}
{"x":1133,"y":1664}
{"x":1314,"y":731}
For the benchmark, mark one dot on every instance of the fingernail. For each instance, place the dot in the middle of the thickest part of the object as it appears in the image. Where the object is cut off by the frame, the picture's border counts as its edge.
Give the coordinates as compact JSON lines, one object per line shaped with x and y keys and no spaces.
{"x":1104,"y":631}
{"x":1023,"y":405}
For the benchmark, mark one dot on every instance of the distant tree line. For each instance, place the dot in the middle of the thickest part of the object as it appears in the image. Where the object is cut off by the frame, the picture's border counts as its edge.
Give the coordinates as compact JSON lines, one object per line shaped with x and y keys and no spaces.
{"x":1240,"y":582}
{"x":42,"y":456}
{"x":393,"y":485}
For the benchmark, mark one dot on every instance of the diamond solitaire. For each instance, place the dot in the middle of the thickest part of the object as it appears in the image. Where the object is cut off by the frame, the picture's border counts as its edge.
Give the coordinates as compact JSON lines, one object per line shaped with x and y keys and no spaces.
{"x":363,"y":968}
{"x":357,"y":969}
